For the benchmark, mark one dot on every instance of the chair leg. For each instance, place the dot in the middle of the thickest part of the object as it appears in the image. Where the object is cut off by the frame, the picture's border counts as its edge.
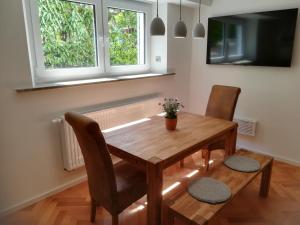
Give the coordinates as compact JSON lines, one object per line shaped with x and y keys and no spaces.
{"x":115,"y":219}
{"x":206,"y":157}
{"x":182,"y":163}
{"x":93,"y":210}
{"x":170,"y":218}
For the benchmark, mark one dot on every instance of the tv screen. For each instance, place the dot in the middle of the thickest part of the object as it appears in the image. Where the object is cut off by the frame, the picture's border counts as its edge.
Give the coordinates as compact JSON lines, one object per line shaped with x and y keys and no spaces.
{"x":259,"y":39}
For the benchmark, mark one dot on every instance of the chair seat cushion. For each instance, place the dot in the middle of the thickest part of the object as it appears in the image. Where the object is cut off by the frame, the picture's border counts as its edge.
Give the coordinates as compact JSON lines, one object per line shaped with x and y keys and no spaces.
{"x":209,"y":190}
{"x":131,"y":184}
{"x":242,"y":164}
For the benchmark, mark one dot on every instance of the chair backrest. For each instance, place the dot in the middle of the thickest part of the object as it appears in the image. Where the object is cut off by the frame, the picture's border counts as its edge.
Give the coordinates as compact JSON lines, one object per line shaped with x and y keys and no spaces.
{"x":98,"y":163}
{"x":222,"y":102}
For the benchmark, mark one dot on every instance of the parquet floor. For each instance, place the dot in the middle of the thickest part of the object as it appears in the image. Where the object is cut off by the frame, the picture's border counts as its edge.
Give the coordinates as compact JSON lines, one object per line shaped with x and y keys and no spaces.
{"x":71,"y":207}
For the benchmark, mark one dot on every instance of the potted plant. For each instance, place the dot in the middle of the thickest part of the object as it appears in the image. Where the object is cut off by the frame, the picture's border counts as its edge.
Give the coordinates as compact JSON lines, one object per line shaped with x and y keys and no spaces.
{"x":171,"y":106}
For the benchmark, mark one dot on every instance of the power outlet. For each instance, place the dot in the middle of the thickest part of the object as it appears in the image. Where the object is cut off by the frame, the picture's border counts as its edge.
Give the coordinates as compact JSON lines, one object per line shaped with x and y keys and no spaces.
{"x":157,"y":58}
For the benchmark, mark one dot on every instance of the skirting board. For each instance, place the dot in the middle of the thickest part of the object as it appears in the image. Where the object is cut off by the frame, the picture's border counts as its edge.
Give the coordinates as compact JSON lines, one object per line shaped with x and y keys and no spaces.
{"x":42,"y":196}
{"x":276,"y":157}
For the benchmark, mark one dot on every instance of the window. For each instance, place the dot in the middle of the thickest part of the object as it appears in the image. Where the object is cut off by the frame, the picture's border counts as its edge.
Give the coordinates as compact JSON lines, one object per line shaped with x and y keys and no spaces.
{"x":227,"y":41}
{"x":82,"y":39}
{"x":235,"y":40}
{"x":68,"y":34}
{"x":218,"y":40}
{"x":126,"y":37}
{"x":125,"y":26}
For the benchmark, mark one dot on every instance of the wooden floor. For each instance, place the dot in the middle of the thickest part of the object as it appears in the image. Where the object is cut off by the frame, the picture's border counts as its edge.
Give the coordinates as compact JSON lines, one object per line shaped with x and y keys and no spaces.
{"x":71,"y":207}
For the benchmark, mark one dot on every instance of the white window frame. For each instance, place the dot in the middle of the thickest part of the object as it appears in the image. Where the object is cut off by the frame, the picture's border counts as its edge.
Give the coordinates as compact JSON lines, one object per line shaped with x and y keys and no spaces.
{"x":138,"y":7}
{"x":225,"y":55}
{"x":41,"y":75}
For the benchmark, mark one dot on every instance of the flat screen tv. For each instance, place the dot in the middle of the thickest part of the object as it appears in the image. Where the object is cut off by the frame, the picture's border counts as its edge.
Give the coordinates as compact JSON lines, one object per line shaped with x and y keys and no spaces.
{"x":258,"y":39}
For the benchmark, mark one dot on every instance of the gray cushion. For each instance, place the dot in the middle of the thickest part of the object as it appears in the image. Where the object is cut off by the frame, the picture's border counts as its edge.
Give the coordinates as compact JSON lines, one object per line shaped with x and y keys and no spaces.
{"x":209,"y":190}
{"x":242,"y":164}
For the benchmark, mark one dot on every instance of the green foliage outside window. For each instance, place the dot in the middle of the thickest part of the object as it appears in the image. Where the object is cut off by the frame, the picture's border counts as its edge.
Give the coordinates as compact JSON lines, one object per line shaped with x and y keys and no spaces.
{"x":217,"y":29}
{"x":122,"y":25}
{"x":68,"y":34}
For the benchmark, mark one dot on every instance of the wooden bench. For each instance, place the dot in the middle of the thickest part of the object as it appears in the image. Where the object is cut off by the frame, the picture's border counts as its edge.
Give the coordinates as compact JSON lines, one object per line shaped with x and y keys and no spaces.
{"x":194,"y":212}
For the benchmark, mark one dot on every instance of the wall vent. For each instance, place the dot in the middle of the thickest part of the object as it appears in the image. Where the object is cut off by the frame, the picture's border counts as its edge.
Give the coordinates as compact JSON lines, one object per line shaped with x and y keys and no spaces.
{"x":246,"y":126}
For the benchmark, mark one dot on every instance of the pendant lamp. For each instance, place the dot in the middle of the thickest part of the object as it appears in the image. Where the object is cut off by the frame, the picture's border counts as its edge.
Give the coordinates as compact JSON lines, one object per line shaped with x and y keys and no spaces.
{"x":199,"y":30}
{"x":180,"y":30}
{"x":157,"y":27}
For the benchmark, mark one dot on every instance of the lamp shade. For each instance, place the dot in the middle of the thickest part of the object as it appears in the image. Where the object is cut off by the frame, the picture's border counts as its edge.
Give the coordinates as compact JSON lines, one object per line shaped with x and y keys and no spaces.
{"x":157,"y":27}
{"x":180,"y":30}
{"x":199,"y":31}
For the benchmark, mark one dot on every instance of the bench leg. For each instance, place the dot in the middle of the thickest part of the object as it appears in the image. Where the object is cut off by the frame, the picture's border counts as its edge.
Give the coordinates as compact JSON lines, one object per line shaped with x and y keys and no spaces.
{"x":266,"y":180}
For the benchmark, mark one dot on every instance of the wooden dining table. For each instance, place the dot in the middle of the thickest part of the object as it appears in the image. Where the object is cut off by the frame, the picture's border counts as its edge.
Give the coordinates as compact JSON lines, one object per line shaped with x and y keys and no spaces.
{"x":151,"y":147}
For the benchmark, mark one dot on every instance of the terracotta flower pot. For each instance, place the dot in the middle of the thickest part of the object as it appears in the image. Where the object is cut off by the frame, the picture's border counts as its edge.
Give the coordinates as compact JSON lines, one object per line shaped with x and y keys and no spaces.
{"x":171,"y":124}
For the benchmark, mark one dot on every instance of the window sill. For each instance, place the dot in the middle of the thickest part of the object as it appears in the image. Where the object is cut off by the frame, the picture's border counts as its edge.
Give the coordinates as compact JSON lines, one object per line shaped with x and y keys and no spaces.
{"x":92,"y":81}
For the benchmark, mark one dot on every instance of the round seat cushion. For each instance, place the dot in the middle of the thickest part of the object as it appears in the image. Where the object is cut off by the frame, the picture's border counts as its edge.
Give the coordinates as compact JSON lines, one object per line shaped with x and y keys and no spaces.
{"x":242,"y":164}
{"x":209,"y":190}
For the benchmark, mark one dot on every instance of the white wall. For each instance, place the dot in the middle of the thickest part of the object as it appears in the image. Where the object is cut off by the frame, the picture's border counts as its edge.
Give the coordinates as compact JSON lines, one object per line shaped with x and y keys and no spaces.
{"x":269,"y":95}
{"x":159,"y":44}
{"x":30,"y":154}
{"x":179,"y":49}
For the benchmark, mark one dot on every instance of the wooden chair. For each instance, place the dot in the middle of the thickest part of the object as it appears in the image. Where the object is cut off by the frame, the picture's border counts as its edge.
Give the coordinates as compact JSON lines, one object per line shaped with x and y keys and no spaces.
{"x":221,"y":104}
{"x":113,"y":187}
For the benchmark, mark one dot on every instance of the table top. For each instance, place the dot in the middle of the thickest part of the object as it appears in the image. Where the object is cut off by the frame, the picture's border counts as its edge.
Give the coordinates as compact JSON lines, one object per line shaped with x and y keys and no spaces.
{"x":150,"y":141}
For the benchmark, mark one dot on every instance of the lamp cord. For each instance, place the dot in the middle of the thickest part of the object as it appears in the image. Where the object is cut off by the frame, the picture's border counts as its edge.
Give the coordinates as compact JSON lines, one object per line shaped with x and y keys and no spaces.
{"x":199,"y":9}
{"x":180,"y":10}
{"x":157,"y":8}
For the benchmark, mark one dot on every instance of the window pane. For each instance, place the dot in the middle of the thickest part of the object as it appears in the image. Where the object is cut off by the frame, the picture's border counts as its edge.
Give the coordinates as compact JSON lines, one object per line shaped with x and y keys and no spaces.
{"x":126,"y":37}
{"x":235,"y":40}
{"x":68,"y":34}
{"x":217,"y":39}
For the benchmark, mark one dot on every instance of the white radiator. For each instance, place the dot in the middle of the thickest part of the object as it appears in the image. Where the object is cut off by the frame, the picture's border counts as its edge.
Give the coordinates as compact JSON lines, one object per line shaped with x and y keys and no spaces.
{"x":106,"y":118}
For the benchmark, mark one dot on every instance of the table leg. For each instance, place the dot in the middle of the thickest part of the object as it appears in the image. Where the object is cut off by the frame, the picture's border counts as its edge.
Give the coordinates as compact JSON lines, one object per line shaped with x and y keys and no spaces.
{"x":154,"y":192}
{"x":230,"y":144}
{"x":266,"y":180}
